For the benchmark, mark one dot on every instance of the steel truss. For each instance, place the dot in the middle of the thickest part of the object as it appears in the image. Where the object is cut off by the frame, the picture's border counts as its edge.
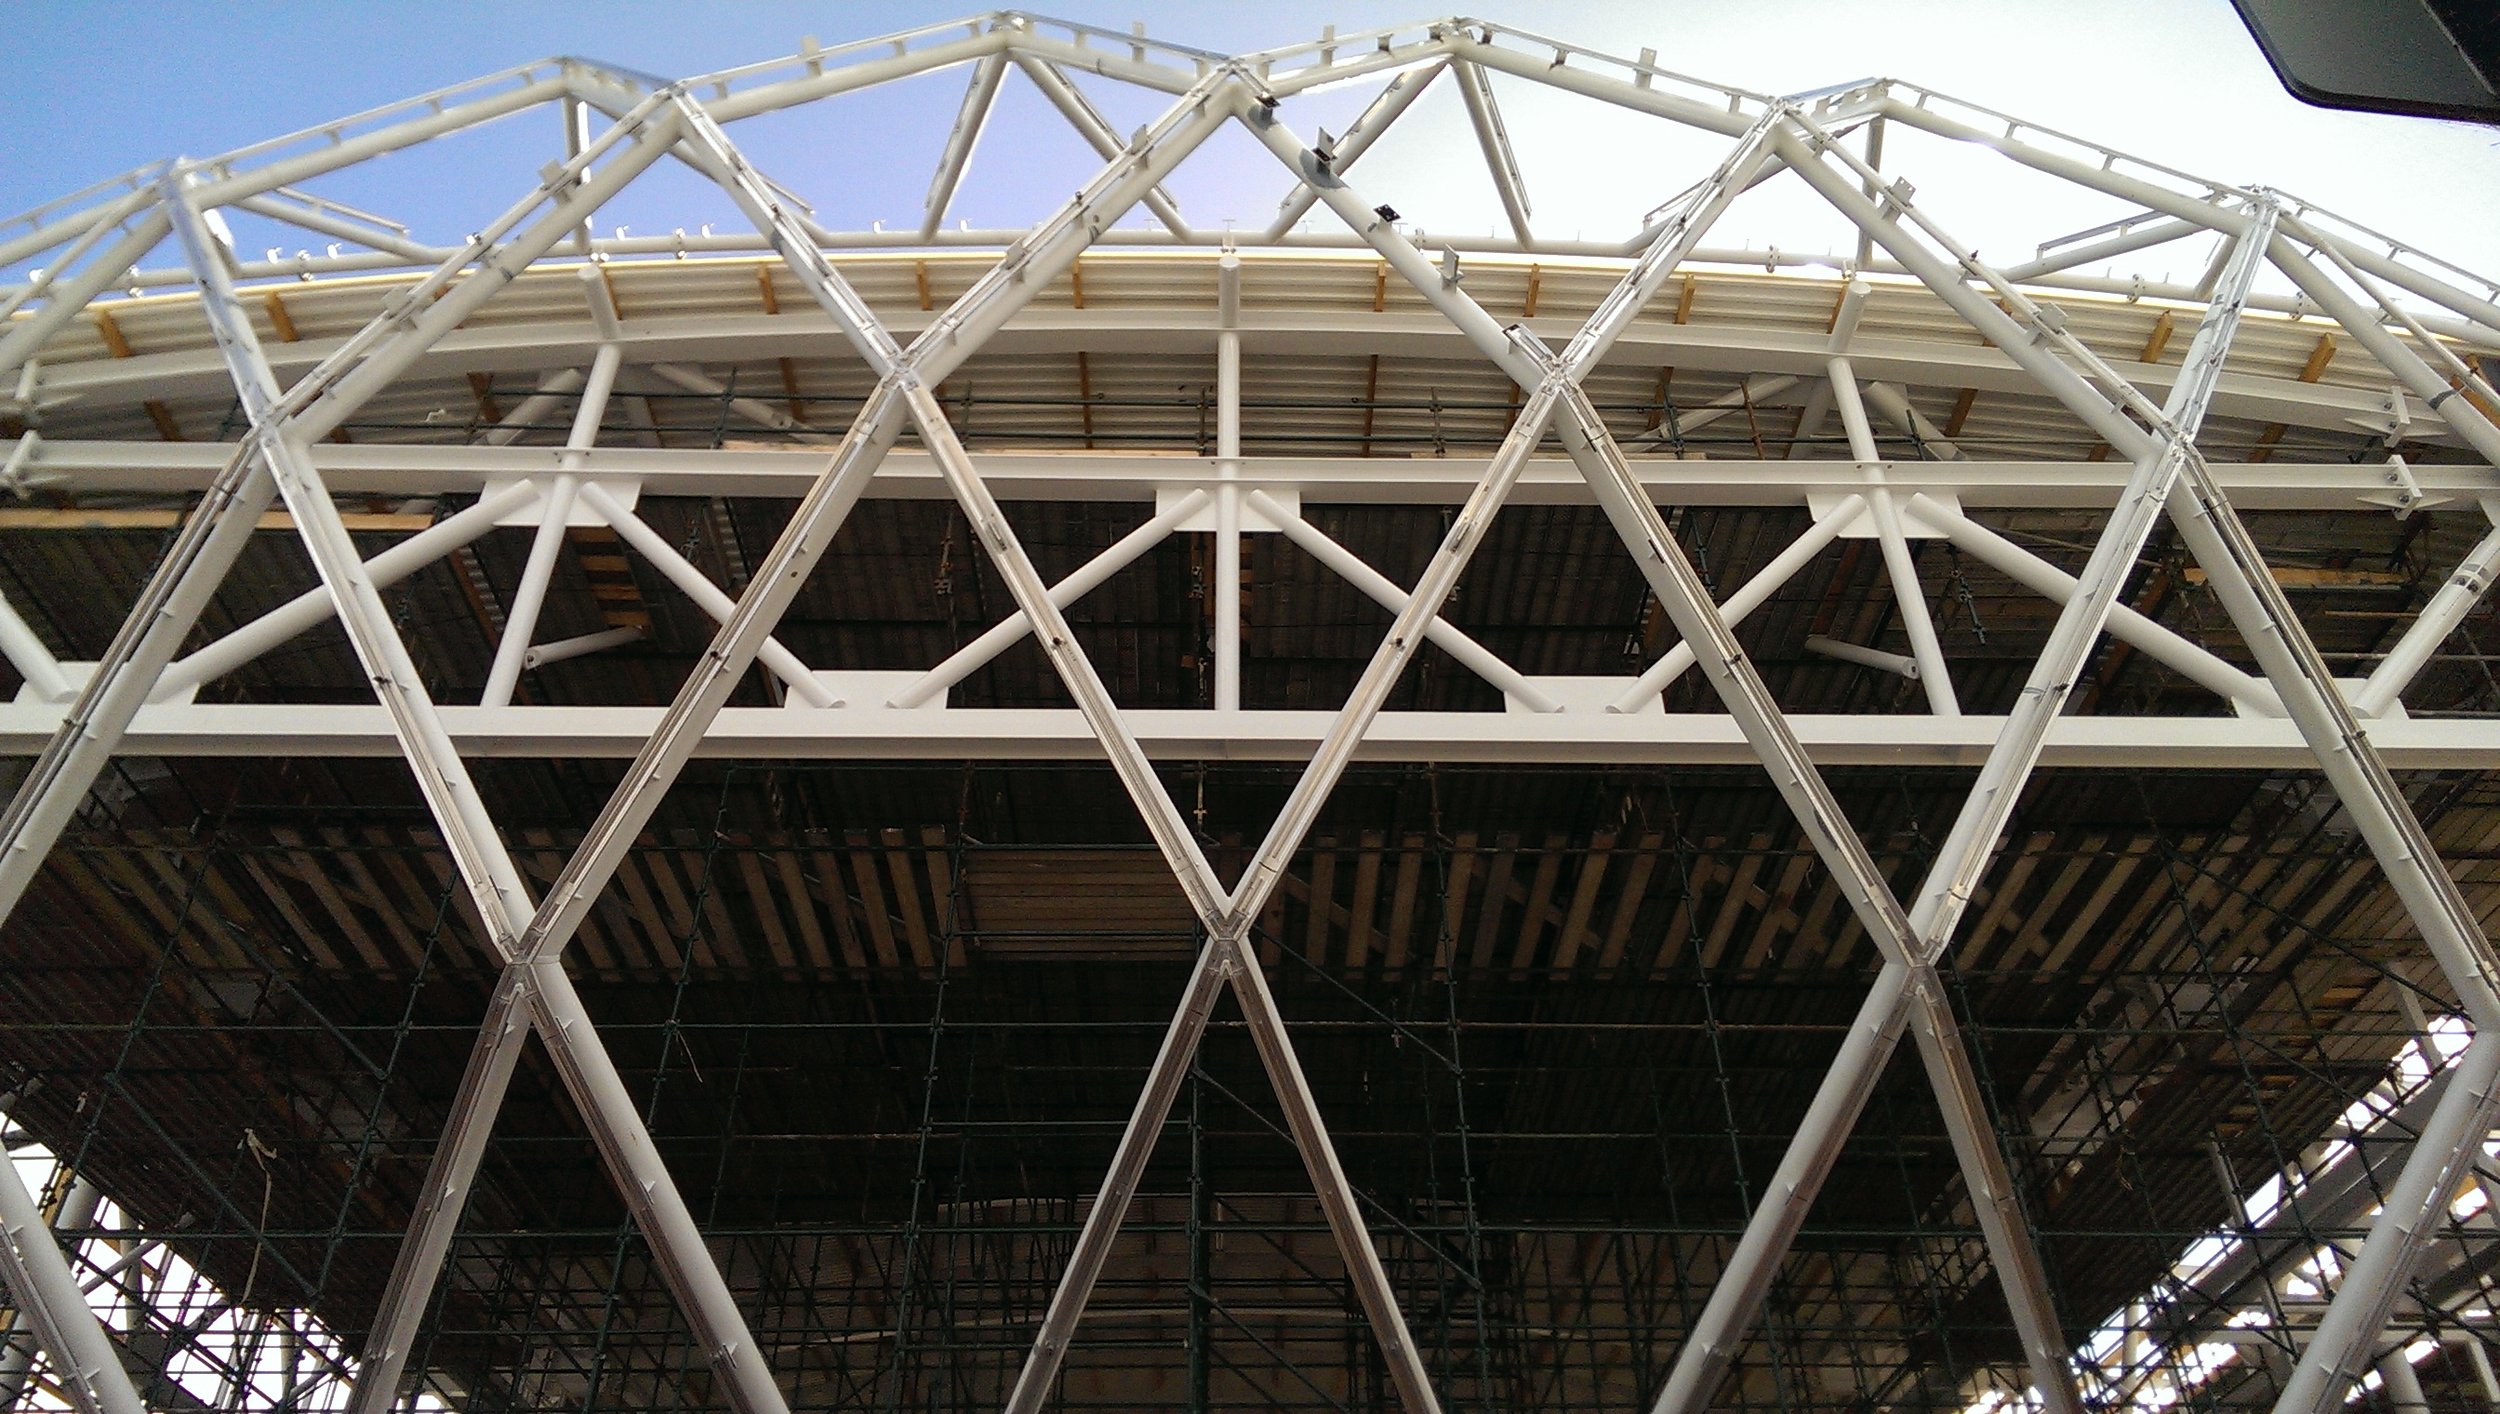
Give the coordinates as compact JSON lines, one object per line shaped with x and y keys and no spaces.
{"x":138,"y":699}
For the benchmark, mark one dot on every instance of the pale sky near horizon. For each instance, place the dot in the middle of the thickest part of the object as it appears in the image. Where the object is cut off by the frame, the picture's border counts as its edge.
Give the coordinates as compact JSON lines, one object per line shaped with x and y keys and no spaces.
{"x":97,"y":88}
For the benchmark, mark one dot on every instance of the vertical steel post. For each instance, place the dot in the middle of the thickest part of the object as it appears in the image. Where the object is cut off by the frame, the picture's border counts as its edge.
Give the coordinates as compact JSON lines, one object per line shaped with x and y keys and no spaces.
{"x":1227,"y":587}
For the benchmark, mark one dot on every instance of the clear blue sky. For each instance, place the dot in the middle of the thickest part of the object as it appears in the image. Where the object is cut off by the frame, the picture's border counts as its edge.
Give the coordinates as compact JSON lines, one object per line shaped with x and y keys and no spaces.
{"x":99,"y":87}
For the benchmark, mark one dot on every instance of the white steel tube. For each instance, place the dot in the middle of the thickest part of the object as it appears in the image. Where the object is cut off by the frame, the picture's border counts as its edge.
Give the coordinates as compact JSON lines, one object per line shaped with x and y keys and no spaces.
{"x":581,"y":645}
{"x":2189,"y":660}
{"x":1895,"y":405}
{"x":414,"y":330}
{"x":2142,"y":237}
{"x":521,"y":617}
{"x":1499,"y":160}
{"x":1863,"y":656}
{"x":1089,"y":124}
{"x":552,"y":390}
{"x":112,"y":216}
{"x":1378,"y":587}
{"x":25,"y":651}
{"x":170,"y":603}
{"x":1925,"y":646}
{"x":2438,"y":619}
{"x":697,"y":586}
{"x":1756,"y":592}
{"x":23,"y":335}
{"x":21,"y":452}
{"x":970,"y":119}
{"x":2339,"y":1347}
{"x":754,"y":410}
{"x":1227,"y":587}
{"x":84,"y":1362}
{"x":1119,"y":555}
{"x":77,"y":1211}
{"x":1384,"y":110}
{"x":313,"y":605}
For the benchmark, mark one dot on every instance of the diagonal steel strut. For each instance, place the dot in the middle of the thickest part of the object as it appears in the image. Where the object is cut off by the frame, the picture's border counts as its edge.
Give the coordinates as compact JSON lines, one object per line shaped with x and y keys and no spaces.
{"x":535,"y":980}
{"x":1227,"y":957}
{"x":1688,"y":603}
{"x":477,"y":850}
{"x":1960,"y":862}
{"x":2078,"y":379}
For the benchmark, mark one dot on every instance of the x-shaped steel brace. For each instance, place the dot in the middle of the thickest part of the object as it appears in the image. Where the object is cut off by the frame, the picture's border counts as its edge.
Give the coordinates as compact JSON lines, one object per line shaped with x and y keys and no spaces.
{"x":1912,"y":993}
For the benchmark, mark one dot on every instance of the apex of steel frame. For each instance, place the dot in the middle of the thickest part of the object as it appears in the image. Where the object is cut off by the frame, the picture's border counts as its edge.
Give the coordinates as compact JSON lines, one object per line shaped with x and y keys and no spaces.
{"x":1916,"y":315}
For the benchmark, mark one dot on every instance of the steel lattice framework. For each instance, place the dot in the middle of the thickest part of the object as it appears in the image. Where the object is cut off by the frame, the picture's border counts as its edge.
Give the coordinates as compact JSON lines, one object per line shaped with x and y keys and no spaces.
{"x":1987,"y":326}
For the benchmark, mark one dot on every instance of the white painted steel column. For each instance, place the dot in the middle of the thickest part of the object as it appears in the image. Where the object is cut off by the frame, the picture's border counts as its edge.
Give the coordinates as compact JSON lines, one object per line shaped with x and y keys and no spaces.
{"x":1745,"y":1279}
{"x":521,"y":615}
{"x":1906,"y":590}
{"x":2403,"y":1386}
{"x":1224,"y":952}
{"x":2313,"y":701}
{"x":77,"y":1211}
{"x":1680,"y":591}
{"x":205,"y":549}
{"x":84,"y":1361}
{"x":1227,"y":586}
{"x":471,"y":838}
{"x":168,"y":605}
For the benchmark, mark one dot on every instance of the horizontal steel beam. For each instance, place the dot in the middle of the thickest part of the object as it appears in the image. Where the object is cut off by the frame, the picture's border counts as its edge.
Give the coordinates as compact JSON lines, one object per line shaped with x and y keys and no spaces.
{"x":178,"y":468}
{"x":957,"y":733}
{"x":716,"y":337}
